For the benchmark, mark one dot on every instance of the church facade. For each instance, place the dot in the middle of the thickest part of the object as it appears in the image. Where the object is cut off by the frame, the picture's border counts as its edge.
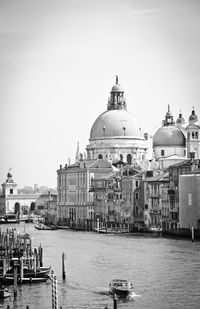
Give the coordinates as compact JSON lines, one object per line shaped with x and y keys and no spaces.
{"x":12,"y":202}
{"x":116,"y":136}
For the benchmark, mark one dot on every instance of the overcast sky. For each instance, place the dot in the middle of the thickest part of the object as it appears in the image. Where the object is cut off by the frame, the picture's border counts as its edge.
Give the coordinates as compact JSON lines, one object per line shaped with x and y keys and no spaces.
{"x":58,"y":61}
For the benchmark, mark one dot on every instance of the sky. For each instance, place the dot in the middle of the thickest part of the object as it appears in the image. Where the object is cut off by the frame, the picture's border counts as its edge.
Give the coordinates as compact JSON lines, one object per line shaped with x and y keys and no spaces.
{"x":58,"y":62}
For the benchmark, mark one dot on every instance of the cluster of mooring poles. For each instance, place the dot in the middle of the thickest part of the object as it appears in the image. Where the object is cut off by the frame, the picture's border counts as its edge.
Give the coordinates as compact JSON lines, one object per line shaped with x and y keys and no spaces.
{"x":19,"y":262}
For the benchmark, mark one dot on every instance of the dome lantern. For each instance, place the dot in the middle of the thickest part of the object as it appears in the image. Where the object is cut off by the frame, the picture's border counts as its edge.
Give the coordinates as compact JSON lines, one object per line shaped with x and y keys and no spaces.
{"x":169,"y":118}
{"x":117,"y":99}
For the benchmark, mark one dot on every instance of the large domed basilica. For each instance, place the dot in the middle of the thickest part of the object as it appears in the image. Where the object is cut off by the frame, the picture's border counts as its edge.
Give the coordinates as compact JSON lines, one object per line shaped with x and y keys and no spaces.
{"x":116,"y":134}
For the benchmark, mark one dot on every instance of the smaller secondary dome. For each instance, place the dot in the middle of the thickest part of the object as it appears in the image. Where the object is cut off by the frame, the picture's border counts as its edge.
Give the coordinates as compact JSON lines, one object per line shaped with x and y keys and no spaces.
{"x":169,"y":136}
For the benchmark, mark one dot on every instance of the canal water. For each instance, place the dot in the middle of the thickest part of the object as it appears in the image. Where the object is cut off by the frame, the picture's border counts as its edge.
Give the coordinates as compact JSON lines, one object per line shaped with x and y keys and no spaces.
{"x":165,"y":272}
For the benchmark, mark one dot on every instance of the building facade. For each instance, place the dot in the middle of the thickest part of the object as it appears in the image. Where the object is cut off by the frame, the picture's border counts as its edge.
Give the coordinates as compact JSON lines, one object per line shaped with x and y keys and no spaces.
{"x":12,"y":202}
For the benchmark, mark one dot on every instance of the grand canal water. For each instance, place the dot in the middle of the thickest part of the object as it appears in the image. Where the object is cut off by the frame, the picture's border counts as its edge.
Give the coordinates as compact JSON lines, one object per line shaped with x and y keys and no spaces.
{"x":165,"y":272}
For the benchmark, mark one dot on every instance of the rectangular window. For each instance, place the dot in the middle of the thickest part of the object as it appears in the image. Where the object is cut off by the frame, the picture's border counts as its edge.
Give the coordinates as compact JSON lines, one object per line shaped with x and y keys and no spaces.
{"x":136,"y":196}
{"x":189,"y":199}
{"x":162,"y":152}
{"x":137,"y":183}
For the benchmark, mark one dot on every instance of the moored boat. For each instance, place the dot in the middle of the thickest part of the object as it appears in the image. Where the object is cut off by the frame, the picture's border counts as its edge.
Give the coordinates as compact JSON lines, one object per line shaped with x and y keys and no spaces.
{"x":63,"y":227}
{"x":2,"y":220}
{"x":9,"y":280}
{"x":120,"y":287}
{"x":111,"y":230}
{"x":4,"y":292}
{"x":8,"y":218}
{"x":42,"y":272}
{"x":45,"y":227}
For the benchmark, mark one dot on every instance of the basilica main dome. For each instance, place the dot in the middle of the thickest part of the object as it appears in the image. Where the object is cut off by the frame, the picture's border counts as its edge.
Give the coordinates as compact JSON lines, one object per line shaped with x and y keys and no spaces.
{"x":116,"y":121}
{"x":116,"y":134}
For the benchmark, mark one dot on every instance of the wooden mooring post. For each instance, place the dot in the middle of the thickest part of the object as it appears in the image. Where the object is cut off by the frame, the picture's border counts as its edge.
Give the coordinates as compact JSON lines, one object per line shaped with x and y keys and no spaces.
{"x":54,"y":291}
{"x":40,"y":252}
{"x":63,"y":265}
{"x":192,"y":233}
{"x":15,"y":282}
{"x":115,"y":299}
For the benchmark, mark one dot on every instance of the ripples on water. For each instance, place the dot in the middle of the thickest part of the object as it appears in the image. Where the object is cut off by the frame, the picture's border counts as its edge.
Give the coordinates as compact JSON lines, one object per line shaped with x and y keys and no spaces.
{"x":165,"y":272}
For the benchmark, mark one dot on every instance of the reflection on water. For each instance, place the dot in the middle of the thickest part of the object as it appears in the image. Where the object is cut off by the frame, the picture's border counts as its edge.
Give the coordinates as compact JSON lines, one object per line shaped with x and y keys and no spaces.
{"x":164,"y":272}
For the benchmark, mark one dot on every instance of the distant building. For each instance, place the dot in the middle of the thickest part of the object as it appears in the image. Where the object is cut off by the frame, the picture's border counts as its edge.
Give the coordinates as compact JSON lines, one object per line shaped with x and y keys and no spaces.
{"x":156,"y":199}
{"x":12,"y":202}
{"x":75,"y":201}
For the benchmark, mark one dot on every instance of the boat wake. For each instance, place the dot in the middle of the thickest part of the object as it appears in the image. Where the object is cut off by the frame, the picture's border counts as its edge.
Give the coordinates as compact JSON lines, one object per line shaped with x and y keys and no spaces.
{"x":133,"y":295}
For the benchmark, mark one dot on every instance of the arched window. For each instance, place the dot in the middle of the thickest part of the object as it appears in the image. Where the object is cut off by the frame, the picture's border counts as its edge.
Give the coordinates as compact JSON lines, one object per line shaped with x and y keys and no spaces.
{"x":100,"y":156}
{"x":129,"y":159}
{"x":121,"y":157}
{"x":32,"y":207}
{"x":17,"y":209}
{"x":192,"y":135}
{"x":196,"y":135}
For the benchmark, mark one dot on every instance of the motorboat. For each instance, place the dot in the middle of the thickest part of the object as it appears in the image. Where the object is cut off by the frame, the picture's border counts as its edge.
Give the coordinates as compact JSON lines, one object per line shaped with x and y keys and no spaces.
{"x":120,"y":287}
{"x":4,"y":292}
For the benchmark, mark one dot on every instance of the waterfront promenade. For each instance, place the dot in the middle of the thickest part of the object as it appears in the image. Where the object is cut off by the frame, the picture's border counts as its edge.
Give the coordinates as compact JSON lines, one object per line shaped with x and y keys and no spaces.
{"x":164,"y":271}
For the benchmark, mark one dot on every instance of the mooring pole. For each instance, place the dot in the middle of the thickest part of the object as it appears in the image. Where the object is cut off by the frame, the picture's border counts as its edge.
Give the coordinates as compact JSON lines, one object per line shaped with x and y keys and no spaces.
{"x":15,"y":282}
{"x":63,"y":266}
{"x":192,"y":233}
{"x":97,"y":225}
{"x":115,"y":302}
{"x":40,"y":253}
{"x":54,"y":291}
{"x":21,"y":269}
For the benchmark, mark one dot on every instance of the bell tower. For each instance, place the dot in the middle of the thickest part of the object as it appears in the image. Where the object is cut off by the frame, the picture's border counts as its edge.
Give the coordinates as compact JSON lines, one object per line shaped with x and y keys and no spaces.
{"x":9,"y":186}
{"x":193,"y":139}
